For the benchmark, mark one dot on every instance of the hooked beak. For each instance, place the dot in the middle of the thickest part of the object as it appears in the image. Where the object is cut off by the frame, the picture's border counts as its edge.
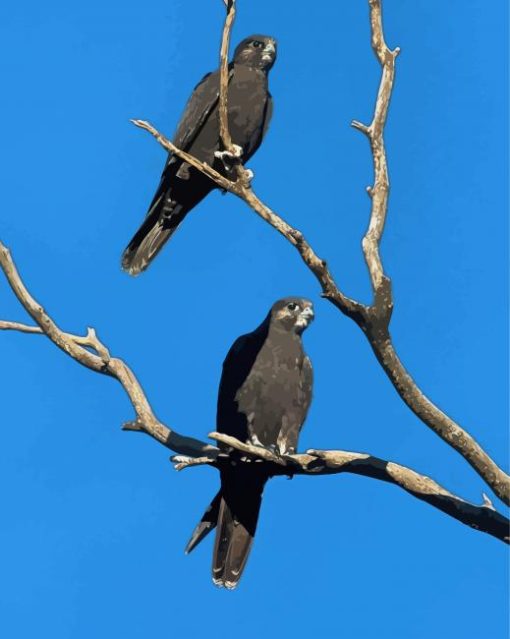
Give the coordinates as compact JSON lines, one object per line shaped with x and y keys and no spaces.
{"x":305,"y":317}
{"x":269,"y":51}
{"x":307,"y":313}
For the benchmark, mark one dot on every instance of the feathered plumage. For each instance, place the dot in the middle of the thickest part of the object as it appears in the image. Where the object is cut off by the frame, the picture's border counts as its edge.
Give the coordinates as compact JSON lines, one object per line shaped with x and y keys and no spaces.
{"x":182,"y":187}
{"x":264,"y":396}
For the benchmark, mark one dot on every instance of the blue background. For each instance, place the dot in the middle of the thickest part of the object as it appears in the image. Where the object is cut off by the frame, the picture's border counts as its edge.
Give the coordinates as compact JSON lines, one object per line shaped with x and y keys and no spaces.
{"x":94,"y":521}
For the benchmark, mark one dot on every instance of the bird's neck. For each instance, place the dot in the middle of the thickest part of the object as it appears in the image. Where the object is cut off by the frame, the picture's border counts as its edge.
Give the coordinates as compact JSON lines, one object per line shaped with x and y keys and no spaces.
{"x":250,"y":67}
{"x":284,"y":333}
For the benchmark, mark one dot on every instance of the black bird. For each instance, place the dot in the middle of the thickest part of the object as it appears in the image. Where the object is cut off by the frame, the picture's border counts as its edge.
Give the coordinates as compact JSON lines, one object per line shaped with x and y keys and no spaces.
{"x":264,"y":396}
{"x":182,"y":187}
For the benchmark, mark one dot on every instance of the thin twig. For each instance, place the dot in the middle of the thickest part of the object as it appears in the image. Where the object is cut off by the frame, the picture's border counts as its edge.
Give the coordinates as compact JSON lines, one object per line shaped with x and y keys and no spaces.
{"x":190,"y":159}
{"x":181,"y":462}
{"x":223,"y":98}
{"x":380,"y":190}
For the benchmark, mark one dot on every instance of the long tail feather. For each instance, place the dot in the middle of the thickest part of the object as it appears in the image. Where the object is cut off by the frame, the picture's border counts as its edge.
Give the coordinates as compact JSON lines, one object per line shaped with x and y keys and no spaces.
{"x":237,"y":522}
{"x":180,"y":190}
{"x":159,"y":225}
{"x":206,"y":524}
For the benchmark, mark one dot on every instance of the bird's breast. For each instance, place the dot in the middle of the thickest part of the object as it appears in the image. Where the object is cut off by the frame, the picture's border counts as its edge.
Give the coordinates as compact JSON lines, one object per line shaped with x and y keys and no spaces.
{"x":247,"y":98}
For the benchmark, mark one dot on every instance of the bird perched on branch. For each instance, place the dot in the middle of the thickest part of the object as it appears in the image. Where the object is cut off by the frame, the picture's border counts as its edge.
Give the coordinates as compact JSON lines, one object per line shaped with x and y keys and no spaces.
{"x":182,"y":186}
{"x":264,"y":396}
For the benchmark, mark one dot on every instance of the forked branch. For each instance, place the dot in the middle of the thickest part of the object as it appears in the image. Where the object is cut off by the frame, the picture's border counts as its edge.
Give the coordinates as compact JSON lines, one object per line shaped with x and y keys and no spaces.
{"x":92,"y":353}
{"x":373,"y":319}
{"x":99,"y":360}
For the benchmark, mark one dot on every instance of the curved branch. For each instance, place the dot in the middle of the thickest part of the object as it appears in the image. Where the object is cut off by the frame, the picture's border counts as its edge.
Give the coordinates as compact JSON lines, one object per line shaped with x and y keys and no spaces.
{"x":379,"y":314}
{"x":330,"y":462}
{"x":101,"y":362}
{"x":438,"y":421}
{"x":243,"y":190}
{"x":373,"y":319}
{"x":194,"y":452}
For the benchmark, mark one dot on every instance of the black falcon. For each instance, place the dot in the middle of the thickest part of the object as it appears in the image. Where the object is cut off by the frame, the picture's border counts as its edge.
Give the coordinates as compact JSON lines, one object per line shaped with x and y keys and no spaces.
{"x":264,"y":396}
{"x":182,"y":187}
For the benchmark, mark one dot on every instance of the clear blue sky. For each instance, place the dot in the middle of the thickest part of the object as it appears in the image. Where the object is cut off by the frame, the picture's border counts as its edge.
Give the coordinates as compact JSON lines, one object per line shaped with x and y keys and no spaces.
{"x":94,"y":521}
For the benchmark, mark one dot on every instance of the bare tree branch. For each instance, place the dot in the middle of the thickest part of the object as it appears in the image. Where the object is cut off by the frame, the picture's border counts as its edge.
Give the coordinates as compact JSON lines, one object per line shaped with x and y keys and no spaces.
{"x":379,"y":314}
{"x":91,"y":340}
{"x":320,"y":462}
{"x":379,"y":192}
{"x":442,"y":425}
{"x":200,"y":166}
{"x":99,"y":361}
{"x":17,"y":326}
{"x":194,"y":452}
{"x":244,"y":191}
{"x":373,"y":319}
{"x":223,"y":99}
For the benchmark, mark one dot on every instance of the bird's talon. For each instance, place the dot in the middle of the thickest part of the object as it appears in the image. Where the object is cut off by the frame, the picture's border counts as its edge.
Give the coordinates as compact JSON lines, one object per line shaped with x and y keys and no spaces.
{"x":237,"y":151}
{"x":316,"y":453}
{"x":230,"y":158}
{"x":248,"y":176}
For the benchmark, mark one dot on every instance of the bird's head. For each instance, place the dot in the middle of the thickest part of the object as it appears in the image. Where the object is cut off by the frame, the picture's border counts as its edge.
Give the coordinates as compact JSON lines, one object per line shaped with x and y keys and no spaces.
{"x":256,"y":51}
{"x":292,"y":314}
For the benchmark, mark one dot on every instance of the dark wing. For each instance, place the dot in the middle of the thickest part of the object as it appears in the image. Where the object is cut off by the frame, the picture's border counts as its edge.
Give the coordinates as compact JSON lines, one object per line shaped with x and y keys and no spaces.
{"x":202,"y":103}
{"x":236,"y":368}
{"x":175,"y":198}
{"x":198,"y":108}
{"x":306,"y":386}
{"x":268,"y":114}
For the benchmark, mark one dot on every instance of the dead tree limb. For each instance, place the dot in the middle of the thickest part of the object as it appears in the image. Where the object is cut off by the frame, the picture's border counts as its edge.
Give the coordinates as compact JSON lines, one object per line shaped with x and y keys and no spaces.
{"x":482,"y":517}
{"x":373,"y":319}
{"x":193,"y":452}
{"x":223,"y":97}
{"x":99,"y":360}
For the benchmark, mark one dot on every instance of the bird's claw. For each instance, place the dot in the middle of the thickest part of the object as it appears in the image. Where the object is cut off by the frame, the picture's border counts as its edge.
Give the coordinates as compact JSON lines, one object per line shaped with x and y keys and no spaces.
{"x":237,"y":151}
{"x":273,"y":449}
{"x":248,"y":176}
{"x":230,"y":158}
{"x":314,"y":452}
{"x":289,"y":458}
{"x":286,"y":455}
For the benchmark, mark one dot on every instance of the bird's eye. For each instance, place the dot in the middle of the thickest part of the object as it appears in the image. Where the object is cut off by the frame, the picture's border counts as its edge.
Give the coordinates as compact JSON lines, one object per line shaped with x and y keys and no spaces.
{"x":292,"y":306}
{"x":257,"y":44}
